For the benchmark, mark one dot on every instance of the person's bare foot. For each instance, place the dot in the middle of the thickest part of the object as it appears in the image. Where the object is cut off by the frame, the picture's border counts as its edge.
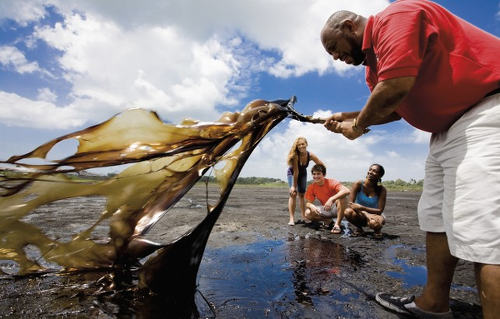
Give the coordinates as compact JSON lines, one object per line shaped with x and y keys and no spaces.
{"x":291,"y":222}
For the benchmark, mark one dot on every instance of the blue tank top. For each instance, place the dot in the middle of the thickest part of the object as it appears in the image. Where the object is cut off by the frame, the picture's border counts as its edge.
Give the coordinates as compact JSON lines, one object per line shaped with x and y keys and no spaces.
{"x":363,"y":199}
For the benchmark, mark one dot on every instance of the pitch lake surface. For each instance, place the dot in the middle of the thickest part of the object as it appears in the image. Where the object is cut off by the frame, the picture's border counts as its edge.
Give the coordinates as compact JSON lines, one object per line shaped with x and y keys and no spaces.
{"x":282,"y":272}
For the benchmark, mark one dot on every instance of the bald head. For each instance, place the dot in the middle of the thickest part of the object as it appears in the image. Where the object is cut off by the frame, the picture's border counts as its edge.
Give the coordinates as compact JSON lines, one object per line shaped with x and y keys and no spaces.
{"x":342,"y":36}
{"x":337,"y":17}
{"x":338,"y":20}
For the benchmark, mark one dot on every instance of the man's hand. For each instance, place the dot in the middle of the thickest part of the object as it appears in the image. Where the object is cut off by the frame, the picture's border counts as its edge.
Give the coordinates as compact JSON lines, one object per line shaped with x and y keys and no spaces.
{"x":333,"y":125}
{"x":328,"y":204}
{"x":312,"y":208}
{"x":292,"y":192}
{"x":338,"y":117}
{"x":346,"y":128}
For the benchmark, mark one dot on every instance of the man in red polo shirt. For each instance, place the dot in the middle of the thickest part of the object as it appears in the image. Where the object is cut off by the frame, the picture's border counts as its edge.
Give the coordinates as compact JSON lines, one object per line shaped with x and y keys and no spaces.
{"x":442,"y":75}
{"x":331,"y":194}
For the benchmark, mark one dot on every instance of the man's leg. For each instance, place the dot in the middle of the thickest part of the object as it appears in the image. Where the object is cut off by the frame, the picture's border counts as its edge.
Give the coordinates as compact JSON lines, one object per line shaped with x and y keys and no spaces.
{"x":488,"y":286}
{"x":310,"y":215}
{"x":440,"y":268}
{"x":341,"y":206}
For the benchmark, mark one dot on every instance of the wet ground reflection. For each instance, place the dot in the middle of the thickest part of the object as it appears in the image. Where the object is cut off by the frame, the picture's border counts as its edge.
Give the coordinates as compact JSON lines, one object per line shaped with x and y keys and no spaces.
{"x":293,"y":279}
{"x":410,"y":275}
{"x":296,"y":278}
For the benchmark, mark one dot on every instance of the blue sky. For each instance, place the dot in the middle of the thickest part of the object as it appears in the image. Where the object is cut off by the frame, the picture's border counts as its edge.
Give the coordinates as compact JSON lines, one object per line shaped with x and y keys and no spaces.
{"x":68,"y":64}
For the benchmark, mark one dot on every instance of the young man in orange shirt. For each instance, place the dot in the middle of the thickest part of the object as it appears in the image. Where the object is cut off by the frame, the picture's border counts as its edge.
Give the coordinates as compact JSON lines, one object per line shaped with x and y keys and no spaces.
{"x":330,"y":193}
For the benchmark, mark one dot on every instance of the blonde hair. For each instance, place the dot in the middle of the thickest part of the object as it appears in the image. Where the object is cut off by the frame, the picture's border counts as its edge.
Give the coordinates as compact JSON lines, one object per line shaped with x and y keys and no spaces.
{"x":294,"y":151}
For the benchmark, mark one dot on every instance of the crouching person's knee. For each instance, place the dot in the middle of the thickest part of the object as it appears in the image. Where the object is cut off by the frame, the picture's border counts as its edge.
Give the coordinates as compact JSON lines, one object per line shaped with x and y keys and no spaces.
{"x":348,"y":212}
{"x":374,"y":224}
{"x":308,"y":213}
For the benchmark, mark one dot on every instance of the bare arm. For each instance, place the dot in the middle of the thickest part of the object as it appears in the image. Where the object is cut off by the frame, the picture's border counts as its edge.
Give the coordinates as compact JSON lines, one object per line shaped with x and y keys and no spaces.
{"x":350,"y":116}
{"x":295,"y":168}
{"x":316,"y":159}
{"x":379,"y":109}
{"x":310,"y":205}
{"x":343,"y":192}
{"x":295,"y":171}
{"x":384,"y":100}
{"x":354,"y":191}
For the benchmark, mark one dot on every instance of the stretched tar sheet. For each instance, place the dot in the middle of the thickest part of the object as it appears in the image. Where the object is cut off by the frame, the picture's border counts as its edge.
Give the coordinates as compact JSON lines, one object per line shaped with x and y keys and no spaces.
{"x":167,"y":161}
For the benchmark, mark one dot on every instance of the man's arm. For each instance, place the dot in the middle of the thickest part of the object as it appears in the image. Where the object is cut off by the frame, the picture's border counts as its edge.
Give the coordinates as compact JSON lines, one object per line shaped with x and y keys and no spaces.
{"x":379,"y":109}
{"x":343,"y":192}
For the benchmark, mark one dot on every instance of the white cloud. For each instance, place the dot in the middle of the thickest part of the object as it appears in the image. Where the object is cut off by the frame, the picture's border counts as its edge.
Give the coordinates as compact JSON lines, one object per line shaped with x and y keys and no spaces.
{"x":19,"y":111}
{"x":392,"y":154}
{"x":291,"y":27}
{"x":184,"y":58}
{"x":153,"y":67}
{"x":181,"y":58}
{"x":22,"y":12}
{"x":11,"y":57}
{"x":45,"y":94}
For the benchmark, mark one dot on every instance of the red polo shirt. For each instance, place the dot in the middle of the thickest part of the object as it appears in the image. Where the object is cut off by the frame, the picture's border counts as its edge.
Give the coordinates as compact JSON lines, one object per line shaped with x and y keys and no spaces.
{"x":455,"y":63}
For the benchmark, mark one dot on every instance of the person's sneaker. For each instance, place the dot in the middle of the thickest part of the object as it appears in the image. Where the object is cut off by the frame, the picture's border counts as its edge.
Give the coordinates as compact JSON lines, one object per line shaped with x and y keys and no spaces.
{"x":394,"y":303}
{"x":406,"y":305}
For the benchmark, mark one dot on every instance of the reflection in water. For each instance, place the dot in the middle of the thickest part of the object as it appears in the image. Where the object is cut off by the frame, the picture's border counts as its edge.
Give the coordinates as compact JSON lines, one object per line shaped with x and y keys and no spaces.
{"x":313,"y":258}
{"x":410,"y":275}
{"x":248,"y":281}
{"x":263,"y":279}
{"x":300,"y":278}
{"x":167,"y":161}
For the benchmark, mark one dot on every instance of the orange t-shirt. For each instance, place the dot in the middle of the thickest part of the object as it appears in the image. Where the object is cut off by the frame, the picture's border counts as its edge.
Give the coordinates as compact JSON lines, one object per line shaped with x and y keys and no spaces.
{"x":323,"y":192}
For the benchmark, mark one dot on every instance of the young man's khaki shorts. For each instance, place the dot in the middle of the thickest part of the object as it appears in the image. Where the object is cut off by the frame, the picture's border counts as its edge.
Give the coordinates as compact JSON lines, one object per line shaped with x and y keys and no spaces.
{"x":461,"y":193}
{"x":327,"y":213}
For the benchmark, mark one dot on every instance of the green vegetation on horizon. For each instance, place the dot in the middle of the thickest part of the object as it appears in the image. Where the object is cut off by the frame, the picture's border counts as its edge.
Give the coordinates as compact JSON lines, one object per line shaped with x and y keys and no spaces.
{"x":392,"y":185}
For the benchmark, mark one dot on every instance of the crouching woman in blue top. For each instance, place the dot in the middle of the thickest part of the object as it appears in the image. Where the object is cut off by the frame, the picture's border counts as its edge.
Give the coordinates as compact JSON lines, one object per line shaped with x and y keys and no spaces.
{"x":367,"y":202}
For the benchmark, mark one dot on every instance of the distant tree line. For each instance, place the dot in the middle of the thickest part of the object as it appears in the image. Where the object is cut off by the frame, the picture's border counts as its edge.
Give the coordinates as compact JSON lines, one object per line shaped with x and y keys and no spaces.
{"x":398,"y":184}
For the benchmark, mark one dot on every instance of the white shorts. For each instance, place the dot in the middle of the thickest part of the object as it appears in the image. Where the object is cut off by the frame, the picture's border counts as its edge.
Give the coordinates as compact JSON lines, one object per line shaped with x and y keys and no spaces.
{"x":328,"y":213}
{"x":461,"y":193}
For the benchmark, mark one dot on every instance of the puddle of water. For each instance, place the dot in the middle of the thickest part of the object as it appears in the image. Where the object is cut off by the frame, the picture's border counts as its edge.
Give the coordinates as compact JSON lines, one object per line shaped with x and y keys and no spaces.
{"x":413,"y":275}
{"x":410,"y":275}
{"x":294,"y":279}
